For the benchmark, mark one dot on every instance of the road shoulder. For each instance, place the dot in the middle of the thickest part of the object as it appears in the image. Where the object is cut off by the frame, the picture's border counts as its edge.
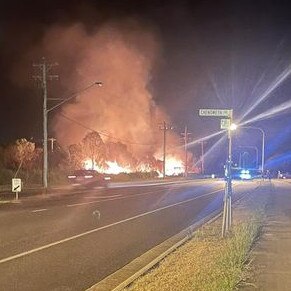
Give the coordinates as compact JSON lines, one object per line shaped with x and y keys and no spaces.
{"x":271,"y":267}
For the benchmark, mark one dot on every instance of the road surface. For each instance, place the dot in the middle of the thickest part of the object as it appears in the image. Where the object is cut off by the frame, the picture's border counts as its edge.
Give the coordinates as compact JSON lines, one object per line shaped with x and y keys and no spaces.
{"x":72,"y":240}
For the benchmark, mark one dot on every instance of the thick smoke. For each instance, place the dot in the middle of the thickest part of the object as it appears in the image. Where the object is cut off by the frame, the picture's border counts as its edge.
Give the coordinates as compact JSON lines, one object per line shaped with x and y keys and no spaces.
{"x":122,"y":57}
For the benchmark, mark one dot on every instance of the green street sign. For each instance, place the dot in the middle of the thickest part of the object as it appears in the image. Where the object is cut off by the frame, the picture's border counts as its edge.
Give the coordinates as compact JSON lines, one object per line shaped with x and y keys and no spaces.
{"x":215,"y":112}
{"x":224,"y":123}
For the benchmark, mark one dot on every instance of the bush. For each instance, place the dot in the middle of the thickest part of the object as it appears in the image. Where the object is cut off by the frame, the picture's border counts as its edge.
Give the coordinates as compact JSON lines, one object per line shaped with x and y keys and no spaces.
{"x":57,"y":177}
{"x":5,"y":176}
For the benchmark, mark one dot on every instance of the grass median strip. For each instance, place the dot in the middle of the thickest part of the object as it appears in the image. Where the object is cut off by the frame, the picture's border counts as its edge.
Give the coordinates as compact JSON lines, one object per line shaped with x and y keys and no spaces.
{"x":208,"y":262}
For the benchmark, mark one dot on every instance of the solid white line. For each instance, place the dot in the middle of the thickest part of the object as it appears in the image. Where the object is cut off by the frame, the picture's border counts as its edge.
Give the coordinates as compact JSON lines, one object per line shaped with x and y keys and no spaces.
{"x":84,"y":203}
{"x":39,"y":210}
{"x":115,"y":197}
{"x":154,"y":184}
{"x":109,"y":196}
{"x":101,"y":228}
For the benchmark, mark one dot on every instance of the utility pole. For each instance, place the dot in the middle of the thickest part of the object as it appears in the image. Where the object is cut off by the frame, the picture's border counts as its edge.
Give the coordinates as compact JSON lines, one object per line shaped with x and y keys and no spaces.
{"x":52,"y":140}
{"x":185,"y":135}
{"x":202,"y":157}
{"x":164,"y":127}
{"x":43,"y":76}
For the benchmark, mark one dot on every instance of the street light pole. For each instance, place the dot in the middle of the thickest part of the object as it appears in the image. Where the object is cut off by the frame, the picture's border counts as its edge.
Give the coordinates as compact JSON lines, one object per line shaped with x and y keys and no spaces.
{"x":45,"y":113}
{"x":257,"y":153}
{"x":43,"y":76}
{"x":263,"y":144}
{"x":227,"y":211}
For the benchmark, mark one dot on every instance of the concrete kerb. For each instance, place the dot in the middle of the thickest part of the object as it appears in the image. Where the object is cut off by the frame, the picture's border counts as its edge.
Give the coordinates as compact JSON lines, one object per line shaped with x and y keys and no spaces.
{"x":139,"y":266}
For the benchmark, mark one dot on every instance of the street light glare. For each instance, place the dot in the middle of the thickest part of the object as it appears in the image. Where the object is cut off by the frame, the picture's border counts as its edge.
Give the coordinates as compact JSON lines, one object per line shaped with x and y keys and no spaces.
{"x":233,"y":126}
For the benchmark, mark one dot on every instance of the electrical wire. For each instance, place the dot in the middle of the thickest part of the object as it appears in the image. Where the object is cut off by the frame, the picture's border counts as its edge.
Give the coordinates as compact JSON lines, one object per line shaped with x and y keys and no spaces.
{"x":102,"y":133}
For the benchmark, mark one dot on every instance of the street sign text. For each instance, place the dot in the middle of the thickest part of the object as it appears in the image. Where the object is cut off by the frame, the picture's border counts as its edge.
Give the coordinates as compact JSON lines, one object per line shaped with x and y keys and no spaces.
{"x":215,"y":112}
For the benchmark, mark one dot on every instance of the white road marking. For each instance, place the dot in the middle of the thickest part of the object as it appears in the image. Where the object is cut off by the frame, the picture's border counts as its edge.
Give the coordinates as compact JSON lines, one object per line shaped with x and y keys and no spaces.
{"x":39,"y":210}
{"x":84,"y":203}
{"x":115,"y":198}
{"x":101,"y":228}
{"x":109,"y":196}
{"x":125,"y":185}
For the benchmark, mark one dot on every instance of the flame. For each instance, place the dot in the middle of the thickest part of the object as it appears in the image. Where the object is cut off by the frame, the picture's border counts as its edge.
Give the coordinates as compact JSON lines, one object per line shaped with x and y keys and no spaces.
{"x":114,"y":168}
{"x":111,"y":167}
{"x":174,"y":167}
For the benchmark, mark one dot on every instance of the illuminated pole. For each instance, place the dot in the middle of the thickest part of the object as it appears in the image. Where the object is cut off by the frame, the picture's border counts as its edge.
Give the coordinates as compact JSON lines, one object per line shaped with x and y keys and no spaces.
{"x":227,"y":213}
{"x":225,"y":124}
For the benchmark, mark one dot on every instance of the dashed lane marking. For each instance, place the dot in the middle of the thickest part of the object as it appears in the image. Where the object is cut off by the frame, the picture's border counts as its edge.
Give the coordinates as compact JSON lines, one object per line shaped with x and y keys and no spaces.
{"x":20,"y":255}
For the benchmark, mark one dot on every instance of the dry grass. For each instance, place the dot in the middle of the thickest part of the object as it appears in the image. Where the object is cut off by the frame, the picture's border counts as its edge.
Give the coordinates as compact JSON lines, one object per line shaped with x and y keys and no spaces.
{"x":207,"y":262}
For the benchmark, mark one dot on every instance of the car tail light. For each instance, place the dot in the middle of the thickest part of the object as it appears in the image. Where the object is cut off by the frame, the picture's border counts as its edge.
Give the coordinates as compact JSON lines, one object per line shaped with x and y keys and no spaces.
{"x":72,"y":177}
{"x":88,"y":176}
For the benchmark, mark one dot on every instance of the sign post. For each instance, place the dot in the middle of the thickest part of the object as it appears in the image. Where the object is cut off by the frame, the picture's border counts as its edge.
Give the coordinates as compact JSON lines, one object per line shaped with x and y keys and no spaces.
{"x":224,"y":124}
{"x":16,"y":186}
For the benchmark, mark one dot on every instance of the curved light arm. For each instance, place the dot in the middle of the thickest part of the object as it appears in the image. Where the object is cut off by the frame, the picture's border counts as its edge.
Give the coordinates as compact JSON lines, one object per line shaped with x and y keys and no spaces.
{"x":257,"y":152}
{"x":263,"y":143}
{"x":74,"y":95}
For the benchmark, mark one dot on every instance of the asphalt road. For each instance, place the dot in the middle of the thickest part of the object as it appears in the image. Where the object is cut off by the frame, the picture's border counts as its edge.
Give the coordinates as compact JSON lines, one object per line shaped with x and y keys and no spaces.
{"x":72,"y":240}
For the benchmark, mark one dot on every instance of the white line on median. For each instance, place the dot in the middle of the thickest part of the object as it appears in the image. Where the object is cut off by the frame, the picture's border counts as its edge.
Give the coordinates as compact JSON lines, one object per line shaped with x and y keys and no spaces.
{"x":102,"y":228}
{"x":39,"y":210}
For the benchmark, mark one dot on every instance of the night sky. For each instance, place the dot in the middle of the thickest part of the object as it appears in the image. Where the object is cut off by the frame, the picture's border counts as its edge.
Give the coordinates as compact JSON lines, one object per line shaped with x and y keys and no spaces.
{"x":213,"y":54}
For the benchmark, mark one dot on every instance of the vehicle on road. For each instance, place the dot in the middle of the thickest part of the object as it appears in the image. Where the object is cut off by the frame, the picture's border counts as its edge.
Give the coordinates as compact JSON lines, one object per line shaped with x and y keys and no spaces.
{"x":88,"y":179}
{"x":285,"y":175}
{"x":245,"y":174}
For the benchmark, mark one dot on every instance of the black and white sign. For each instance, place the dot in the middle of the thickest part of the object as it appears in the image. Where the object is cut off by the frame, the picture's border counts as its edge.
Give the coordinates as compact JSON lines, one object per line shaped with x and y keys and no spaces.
{"x":215,"y":112}
{"x":16,"y":185}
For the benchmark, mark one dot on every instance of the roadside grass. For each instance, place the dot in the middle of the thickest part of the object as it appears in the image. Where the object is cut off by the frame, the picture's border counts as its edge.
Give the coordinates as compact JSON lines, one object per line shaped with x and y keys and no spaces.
{"x":207,"y":262}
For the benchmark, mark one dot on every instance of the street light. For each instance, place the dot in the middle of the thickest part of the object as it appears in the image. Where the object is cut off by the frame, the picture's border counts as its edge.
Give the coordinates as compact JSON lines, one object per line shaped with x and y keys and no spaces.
{"x":45,"y":125}
{"x":263,"y":143}
{"x":257,"y":154}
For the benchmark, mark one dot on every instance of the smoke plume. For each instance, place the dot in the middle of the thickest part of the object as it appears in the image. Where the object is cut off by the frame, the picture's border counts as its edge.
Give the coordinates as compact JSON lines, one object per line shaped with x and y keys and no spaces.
{"x":122,"y":57}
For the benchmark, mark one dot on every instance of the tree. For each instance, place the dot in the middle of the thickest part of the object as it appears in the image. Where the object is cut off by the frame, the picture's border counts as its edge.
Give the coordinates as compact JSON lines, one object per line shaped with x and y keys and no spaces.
{"x":19,"y":155}
{"x":76,"y":156}
{"x":93,"y":148}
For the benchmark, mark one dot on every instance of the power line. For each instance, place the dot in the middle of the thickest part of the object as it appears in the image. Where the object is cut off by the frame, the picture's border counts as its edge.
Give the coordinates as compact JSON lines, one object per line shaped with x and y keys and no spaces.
{"x":102,"y":133}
